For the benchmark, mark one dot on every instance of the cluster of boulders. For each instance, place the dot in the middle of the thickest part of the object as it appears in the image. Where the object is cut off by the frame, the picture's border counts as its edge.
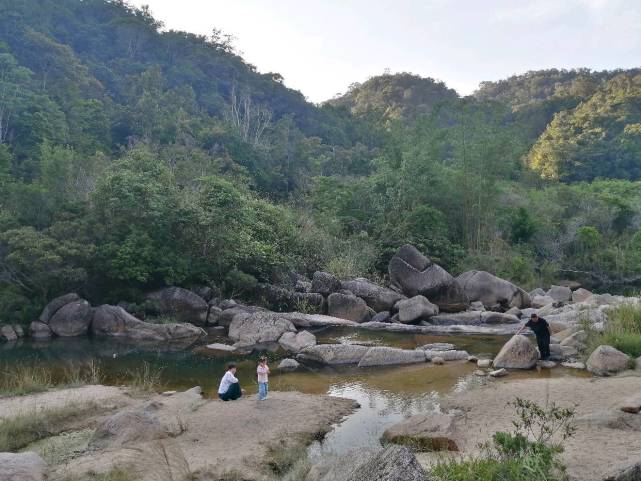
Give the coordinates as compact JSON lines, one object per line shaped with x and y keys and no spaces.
{"x":71,"y":316}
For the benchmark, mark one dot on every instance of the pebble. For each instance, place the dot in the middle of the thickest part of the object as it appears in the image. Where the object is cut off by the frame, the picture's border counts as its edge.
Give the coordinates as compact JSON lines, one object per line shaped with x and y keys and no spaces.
{"x":484,"y":363}
{"x":472,"y":358}
{"x":438,"y":360}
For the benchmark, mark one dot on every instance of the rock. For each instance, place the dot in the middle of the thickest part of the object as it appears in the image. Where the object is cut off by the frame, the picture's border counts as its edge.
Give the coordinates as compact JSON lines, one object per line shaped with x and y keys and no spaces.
{"x":55,"y":304}
{"x":325,"y":283}
{"x":537,"y":292}
{"x":514,"y":311}
{"x":457,"y":319}
{"x":606,"y":360}
{"x":7,"y":333}
{"x":429,"y":432}
{"x":575,"y":340}
{"x":498,"y":373}
{"x":628,"y":472}
{"x":227,"y":304}
{"x":259,"y":327}
{"x":492,"y":291}
{"x":438,"y":360}
{"x":573,"y":365}
{"x":473,"y":359}
{"x":542,"y":301}
{"x":546,"y":364}
{"x":347,"y":307}
{"x":415,"y":308}
{"x":181,"y":303}
{"x":281,"y":299}
{"x":477,"y":306}
{"x":414,"y":274}
{"x":168,"y":393}
{"x":632,"y":404}
{"x":227,"y":316}
{"x":288,"y":365}
{"x":452,"y":355}
{"x":581,"y":295}
{"x":387,"y":356}
{"x":333,"y":354}
{"x":565,"y":333}
{"x":611,"y":419}
{"x":214,"y":315}
{"x":129,"y":427}
{"x":206,"y":292}
{"x":517,"y":353}
{"x":114,"y":321}
{"x":479,"y":373}
{"x":377,"y":297}
{"x":316,"y":320}
{"x":222,"y":348}
{"x":498,"y":318}
{"x":560,"y":293}
{"x":18,"y":330}
{"x":27,"y":466}
{"x":383,"y":316}
{"x":39,"y":330}
{"x":303,"y":285}
{"x":637,"y":363}
{"x":437,"y":346}
{"x":294,"y":342}
{"x":72,"y":319}
{"x":484,"y":363}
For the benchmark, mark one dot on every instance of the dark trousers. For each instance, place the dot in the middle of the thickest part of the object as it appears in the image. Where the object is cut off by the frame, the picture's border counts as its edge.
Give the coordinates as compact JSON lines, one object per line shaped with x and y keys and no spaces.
{"x":544,"y":346}
{"x":232,"y":393}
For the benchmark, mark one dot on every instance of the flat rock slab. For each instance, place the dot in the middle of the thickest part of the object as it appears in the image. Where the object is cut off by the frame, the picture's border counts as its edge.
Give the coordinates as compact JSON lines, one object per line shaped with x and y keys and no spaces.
{"x":333,"y":354}
{"x":388,"y":356}
{"x":428,"y":328}
{"x":299,"y":319}
{"x":424,"y":432}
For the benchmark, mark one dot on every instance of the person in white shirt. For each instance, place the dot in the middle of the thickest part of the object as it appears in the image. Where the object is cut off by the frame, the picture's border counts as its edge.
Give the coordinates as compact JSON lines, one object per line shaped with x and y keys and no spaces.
{"x":262,"y":372}
{"x":229,"y":389}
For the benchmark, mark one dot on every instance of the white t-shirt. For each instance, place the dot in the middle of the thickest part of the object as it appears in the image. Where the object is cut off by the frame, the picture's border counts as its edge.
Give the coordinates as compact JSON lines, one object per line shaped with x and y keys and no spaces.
{"x":262,"y":373}
{"x":227,"y":380}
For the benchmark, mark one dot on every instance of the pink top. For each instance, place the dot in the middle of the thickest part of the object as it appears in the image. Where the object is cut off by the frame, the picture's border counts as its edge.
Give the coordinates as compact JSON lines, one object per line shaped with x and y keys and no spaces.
{"x":262,"y":372}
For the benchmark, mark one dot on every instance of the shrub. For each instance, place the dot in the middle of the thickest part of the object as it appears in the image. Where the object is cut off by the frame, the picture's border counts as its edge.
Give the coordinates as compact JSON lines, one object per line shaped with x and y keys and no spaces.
{"x":622,"y":330}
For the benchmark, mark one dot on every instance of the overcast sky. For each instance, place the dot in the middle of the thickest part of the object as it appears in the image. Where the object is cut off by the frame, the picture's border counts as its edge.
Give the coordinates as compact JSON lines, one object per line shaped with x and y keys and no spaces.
{"x":322,"y":46}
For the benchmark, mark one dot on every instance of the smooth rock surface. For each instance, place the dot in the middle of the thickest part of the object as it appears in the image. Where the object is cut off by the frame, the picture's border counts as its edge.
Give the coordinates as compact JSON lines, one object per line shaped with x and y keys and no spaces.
{"x":415,"y":308}
{"x":560,"y":293}
{"x":387,"y":356}
{"x":581,"y":295}
{"x":294,"y":342}
{"x":259,"y":327}
{"x":346,"y":306}
{"x":606,"y":360}
{"x":39,"y":330}
{"x":517,"y":353}
{"x":492,"y":291}
{"x":72,"y":319}
{"x":333,"y":354}
{"x":377,"y":297}
{"x":27,"y":466}
{"x":288,"y":365}
{"x":55,"y":304}
{"x":180,"y":303}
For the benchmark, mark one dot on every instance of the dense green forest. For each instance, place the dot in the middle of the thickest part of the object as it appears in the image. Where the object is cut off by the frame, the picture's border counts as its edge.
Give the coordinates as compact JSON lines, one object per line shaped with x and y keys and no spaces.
{"x":133,"y":157}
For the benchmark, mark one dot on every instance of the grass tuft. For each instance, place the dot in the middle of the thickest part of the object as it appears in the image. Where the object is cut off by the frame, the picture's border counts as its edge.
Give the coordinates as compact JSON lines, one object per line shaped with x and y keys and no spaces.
{"x":146,"y":378}
{"x":622,"y":330}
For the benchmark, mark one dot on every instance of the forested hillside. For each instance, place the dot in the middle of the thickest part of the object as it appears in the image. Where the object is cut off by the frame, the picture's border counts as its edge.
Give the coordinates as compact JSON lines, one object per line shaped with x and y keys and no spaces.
{"x":133,"y":157}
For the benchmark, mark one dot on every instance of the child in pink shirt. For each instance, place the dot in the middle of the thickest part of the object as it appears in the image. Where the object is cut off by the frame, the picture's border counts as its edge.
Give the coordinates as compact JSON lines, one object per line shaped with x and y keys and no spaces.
{"x":262,"y":372}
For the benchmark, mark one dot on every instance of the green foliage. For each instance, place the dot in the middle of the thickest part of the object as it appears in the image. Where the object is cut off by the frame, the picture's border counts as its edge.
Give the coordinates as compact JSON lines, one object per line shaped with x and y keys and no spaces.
{"x":522,"y":227}
{"x":622,"y":331}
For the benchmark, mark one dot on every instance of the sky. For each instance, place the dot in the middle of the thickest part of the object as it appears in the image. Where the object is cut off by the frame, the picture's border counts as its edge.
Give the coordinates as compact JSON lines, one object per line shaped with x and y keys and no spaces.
{"x":322,"y":46}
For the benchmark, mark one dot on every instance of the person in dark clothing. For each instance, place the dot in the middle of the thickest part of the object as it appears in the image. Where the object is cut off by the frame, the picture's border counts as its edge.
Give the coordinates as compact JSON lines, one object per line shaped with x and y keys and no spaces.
{"x":229,"y":389}
{"x":541,"y":330}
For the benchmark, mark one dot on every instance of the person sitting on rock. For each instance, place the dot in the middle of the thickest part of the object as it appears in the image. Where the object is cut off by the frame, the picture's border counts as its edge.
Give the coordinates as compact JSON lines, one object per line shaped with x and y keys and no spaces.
{"x":229,"y":389}
{"x":541,"y":329}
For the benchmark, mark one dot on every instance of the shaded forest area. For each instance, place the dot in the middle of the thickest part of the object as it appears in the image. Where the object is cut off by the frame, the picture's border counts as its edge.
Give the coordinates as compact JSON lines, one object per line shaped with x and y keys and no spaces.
{"x":133,"y":157}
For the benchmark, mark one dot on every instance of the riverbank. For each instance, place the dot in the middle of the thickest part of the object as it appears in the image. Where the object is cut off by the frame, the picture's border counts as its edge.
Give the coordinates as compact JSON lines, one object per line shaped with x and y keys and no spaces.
{"x":605,"y":438}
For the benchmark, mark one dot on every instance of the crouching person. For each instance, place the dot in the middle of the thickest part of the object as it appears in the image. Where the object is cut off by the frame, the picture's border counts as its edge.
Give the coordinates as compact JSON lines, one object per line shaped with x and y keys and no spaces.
{"x":229,"y":389}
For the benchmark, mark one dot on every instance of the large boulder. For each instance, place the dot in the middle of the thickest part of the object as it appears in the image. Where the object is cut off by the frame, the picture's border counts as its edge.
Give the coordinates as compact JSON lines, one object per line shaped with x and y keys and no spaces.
{"x":325,"y":283}
{"x":294,"y":342}
{"x":27,"y":466}
{"x":55,"y":304}
{"x":180,"y":303}
{"x":493,"y":291}
{"x":517,"y":353}
{"x":606,"y":360}
{"x":8,"y":333}
{"x":288,"y":365}
{"x":281,"y":299}
{"x":347,"y":306}
{"x":414,"y":274}
{"x":560,"y":293}
{"x":625,"y":472}
{"x":539,"y":301}
{"x":581,"y":295}
{"x":415,"y":308}
{"x":72,"y":319}
{"x":259,"y":328}
{"x":377,"y":297}
{"x":114,"y":321}
{"x":387,"y":356}
{"x":424,"y":432}
{"x":39,"y":331}
{"x":333,"y":354}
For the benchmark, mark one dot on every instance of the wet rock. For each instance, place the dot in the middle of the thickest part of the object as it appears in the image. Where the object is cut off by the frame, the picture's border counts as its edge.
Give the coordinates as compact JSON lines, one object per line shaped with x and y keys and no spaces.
{"x":415,"y":308}
{"x":39,"y":330}
{"x":383,"y":316}
{"x":348,"y":307}
{"x":560,"y":293}
{"x":377,"y":297}
{"x":288,"y":365}
{"x":114,"y":321}
{"x":183,"y":304}
{"x":387,"y":356}
{"x":22,"y":467}
{"x":517,"y":353}
{"x":581,"y":295}
{"x":332,"y":354}
{"x":438,"y":346}
{"x":606,"y":360}
{"x":492,"y":291}
{"x":259,"y":327}
{"x":55,"y":304}
{"x":573,"y":365}
{"x":546,"y":364}
{"x":428,"y":432}
{"x":72,"y":319}
{"x":7,"y":333}
{"x":498,"y":373}
{"x":325,"y":283}
{"x":294,"y":342}
{"x":451,"y":355}
{"x":414,"y":274}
